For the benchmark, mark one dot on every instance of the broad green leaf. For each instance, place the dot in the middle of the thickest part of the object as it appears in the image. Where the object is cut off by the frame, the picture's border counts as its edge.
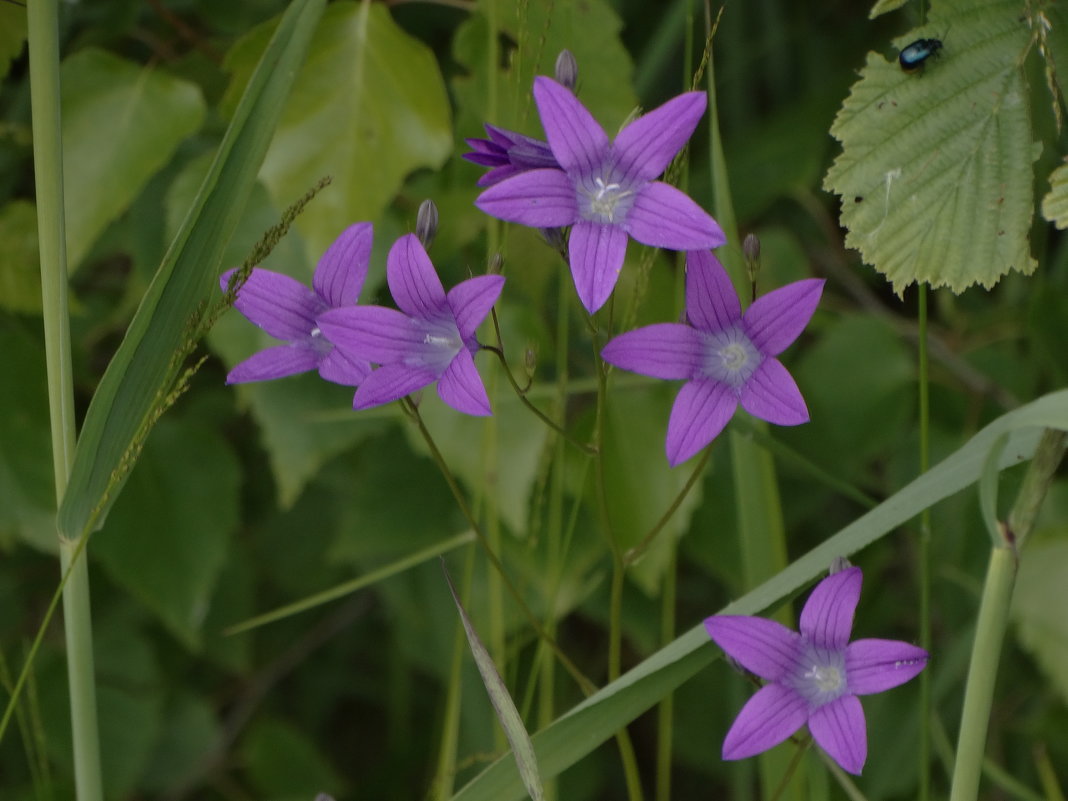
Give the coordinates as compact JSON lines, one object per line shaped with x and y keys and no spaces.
{"x":284,"y":764}
{"x":12,"y":34}
{"x":121,"y":123}
{"x":141,"y":367}
{"x":595,"y":720}
{"x":590,"y":29}
{"x":20,"y":275}
{"x":936,"y":171}
{"x":1055,"y":203}
{"x":520,"y":438}
{"x":884,"y":7}
{"x":639,"y":482}
{"x":167,"y":537}
{"x":27,"y":488}
{"x":1038,"y":610}
{"x":190,"y":733}
{"x":503,"y":705}
{"x":368,"y":108}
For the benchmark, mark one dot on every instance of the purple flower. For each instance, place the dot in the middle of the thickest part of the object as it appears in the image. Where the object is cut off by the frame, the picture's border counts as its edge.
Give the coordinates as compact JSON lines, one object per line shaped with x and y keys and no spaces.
{"x":606,"y":190}
{"x":286,"y":309}
{"x":431,"y":338}
{"x":509,"y":153}
{"x":813,"y":677}
{"x":726,"y":357}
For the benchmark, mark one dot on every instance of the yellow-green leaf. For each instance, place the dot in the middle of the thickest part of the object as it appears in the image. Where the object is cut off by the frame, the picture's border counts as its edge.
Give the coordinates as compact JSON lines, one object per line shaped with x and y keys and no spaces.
{"x":935,"y":173}
{"x":1055,"y":203}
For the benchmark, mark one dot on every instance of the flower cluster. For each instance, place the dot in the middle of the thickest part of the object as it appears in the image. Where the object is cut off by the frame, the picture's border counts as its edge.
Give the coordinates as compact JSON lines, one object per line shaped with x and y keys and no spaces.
{"x":814,"y":676}
{"x":431,"y":339}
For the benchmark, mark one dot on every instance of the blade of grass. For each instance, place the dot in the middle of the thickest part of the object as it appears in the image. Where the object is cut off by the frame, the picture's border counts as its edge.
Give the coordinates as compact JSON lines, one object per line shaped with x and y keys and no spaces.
{"x":142,"y":369}
{"x":586,"y":726}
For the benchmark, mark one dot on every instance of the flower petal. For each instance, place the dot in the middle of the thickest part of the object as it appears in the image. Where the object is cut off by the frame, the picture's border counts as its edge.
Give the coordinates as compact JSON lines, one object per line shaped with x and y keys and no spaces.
{"x":373,"y":333}
{"x":768,"y":718}
{"x":413,"y":281}
{"x":776,"y":319}
{"x":764,"y":647}
{"x":827,"y":618}
{"x":339,"y":367}
{"x":664,"y":350}
{"x":647,"y":145}
{"x":876,"y":665}
{"x":389,"y":383}
{"x":772,"y":394}
{"x":282,"y":306}
{"x":577,"y":141}
{"x":341,"y":271}
{"x":471,"y":300}
{"x":461,"y":387}
{"x":666,"y":217}
{"x":711,"y":301}
{"x":839,"y":729}
{"x":538,"y":198}
{"x":703,"y":407}
{"x":276,"y":362}
{"x":596,"y":252}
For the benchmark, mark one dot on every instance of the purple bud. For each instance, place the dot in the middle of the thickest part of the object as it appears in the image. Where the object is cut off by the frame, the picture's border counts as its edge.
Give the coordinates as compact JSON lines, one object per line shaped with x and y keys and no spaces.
{"x":426,"y":223}
{"x":567,"y":70}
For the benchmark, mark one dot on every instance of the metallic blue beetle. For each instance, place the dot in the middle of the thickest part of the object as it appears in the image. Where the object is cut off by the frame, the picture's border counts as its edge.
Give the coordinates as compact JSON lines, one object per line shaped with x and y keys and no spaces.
{"x":914,"y":56}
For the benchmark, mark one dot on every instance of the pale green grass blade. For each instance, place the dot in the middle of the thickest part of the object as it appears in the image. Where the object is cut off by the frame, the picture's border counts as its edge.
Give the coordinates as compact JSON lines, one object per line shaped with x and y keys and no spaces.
{"x":936,"y":167}
{"x":592,"y":722}
{"x":526,"y":761}
{"x":142,"y":367}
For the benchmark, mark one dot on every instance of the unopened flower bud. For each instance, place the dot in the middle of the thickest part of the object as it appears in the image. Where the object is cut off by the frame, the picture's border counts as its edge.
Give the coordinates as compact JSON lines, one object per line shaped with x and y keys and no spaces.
{"x":496,"y":264}
{"x":838,"y":564}
{"x":555,"y":238}
{"x":530,"y":361}
{"x":426,"y":223}
{"x":566,"y":70}
{"x":751,"y":248}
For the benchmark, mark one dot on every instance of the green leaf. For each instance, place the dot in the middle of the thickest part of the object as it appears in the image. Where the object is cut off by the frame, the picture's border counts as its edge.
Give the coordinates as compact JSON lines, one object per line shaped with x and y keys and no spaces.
{"x":12,"y":34}
{"x":121,"y":123}
{"x":590,"y":29}
{"x":595,"y":720}
{"x":20,"y":275}
{"x":284,"y":764}
{"x":167,"y":536}
{"x":884,"y":7}
{"x":141,"y":368}
{"x":368,"y":108}
{"x":936,"y":171}
{"x":27,"y":486}
{"x":640,"y":483}
{"x":1038,"y":610}
{"x":1055,"y":203}
{"x":503,"y":705}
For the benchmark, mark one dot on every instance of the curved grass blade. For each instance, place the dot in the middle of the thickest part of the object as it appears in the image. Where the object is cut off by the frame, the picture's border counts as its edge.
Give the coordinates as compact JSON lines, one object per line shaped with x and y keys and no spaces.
{"x":586,"y":726}
{"x":142,"y":371}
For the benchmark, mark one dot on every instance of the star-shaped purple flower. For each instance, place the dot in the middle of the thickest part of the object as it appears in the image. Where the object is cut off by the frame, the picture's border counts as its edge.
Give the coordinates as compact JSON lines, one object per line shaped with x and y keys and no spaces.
{"x":286,"y":309}
{"x":813,"y":677}
{"x":509,"y":153}
{"x":431,"y":338}
{"x":726,"y":357}
{"x":606,"y":190}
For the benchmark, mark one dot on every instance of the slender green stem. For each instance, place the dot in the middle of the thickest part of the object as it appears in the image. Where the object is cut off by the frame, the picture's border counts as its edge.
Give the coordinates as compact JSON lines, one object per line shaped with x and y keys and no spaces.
{"x":924,"y":777}
{"x":993,"y":616}
{"x":43,"y":31}
{"x":634,"y":554}
{"x":521,"y":393}
{"x":413,"y":412}
{"x":665,"y":713}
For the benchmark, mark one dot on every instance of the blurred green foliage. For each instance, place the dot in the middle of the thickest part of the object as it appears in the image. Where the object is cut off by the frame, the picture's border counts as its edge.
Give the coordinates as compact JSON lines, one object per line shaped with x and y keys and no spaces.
{"x":248,"y":498}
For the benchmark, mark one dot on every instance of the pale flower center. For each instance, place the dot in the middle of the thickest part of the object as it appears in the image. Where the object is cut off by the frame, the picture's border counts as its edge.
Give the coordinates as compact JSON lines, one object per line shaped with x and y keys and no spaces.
{"x":441,"y":342}
{"x":821,"y":676}
{"x":604,"y":200}
{"x":730,"y":357}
